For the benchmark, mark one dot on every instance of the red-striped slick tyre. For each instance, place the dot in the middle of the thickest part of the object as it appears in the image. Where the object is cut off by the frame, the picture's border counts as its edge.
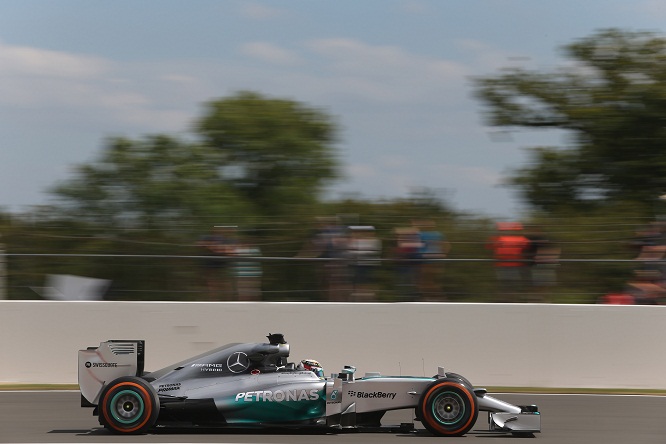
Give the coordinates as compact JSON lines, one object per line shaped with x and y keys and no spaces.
{"x":448,"y":408}
{"x":128,"y":405}
{"x":461,"y":378}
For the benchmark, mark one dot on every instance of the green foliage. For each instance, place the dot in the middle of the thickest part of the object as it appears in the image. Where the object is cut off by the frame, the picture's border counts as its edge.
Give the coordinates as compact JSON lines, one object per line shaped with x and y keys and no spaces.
{"x":258,"y":157}
{"x":149,"y":183}
{"x":611,"y":100}
{"x":278,"y":153}
{"x":253,"y":160}
{"x":261,"y":164}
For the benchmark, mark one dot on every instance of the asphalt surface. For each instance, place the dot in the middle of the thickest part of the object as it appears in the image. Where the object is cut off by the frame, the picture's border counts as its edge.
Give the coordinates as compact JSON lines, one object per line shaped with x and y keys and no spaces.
{"x":55,"y":417}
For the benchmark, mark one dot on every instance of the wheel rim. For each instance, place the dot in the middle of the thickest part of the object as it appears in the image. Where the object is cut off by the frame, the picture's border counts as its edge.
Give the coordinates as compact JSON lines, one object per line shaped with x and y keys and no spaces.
{"x":127,"y":407}
{"x":448,"y":408}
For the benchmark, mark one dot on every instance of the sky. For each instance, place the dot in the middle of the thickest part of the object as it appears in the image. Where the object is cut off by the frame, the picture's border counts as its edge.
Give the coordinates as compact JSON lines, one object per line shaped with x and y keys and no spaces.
{"x":395,"y":75}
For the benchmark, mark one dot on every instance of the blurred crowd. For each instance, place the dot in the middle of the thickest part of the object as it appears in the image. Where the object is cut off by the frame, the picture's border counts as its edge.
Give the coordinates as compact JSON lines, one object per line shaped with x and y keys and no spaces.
{"x":340,"y":259}
{"x":353,"y":254}
{"x":346,"y":260}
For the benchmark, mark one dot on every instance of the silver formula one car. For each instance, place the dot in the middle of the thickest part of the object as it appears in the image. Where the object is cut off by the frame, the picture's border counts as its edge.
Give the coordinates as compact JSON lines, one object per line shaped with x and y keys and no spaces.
{"x":253,"y":384}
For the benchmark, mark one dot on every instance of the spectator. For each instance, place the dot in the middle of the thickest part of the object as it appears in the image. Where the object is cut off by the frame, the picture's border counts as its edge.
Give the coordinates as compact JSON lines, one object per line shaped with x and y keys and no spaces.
{"x":433,"y":246}
{"x":329,"y":241}
{"x":406,"y":256}
{"x":248,"y":273}
{"x":542,"y":256}
{"x":647,"y":285}
{"x":617,"y":299}
{"x":646,"y":288}
{"x":508,"y":250}
{"x":651,"y":246}
{"x":218,"y":245}
{"x":364,"y":252}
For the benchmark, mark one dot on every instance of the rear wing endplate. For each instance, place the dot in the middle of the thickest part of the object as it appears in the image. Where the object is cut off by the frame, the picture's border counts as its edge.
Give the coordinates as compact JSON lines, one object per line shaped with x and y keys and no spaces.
{"x":100,"y":365}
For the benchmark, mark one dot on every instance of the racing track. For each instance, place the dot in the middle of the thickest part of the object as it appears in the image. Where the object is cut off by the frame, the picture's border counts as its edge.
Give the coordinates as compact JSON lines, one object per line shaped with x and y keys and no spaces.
{"x":50,"y":417}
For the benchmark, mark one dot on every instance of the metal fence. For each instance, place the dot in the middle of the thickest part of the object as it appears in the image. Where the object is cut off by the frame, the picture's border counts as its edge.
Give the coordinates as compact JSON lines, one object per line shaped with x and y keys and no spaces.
{"x":194,"y":278}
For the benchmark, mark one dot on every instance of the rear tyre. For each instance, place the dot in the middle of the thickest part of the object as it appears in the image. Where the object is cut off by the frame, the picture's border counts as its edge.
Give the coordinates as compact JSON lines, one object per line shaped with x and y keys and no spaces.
{"x":128,"y":405}
{"x":448,"y":408}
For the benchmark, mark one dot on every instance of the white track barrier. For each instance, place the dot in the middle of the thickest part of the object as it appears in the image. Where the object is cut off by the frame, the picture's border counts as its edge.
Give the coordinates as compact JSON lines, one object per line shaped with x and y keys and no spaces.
{"x":508,"y":345}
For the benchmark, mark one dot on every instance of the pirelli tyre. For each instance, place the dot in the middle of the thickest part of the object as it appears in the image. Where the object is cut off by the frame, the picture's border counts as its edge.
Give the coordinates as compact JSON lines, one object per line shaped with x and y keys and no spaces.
{"x":128,"y":405}
{"x":462,"y":379}
{"x":448,"y":407}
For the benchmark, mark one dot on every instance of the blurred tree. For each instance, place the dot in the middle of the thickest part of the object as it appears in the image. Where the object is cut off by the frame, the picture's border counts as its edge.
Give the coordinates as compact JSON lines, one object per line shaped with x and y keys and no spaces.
{"x":612,"y":100}
{"x":252,"y":159}
{"x":258,"y":156}
{"x":150,"y":183}
{"x":278,"y":153}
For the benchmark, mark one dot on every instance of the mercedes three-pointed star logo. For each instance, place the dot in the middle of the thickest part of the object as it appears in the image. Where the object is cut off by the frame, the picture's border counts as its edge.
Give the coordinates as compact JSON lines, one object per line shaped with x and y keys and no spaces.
{"x":238,"y":362}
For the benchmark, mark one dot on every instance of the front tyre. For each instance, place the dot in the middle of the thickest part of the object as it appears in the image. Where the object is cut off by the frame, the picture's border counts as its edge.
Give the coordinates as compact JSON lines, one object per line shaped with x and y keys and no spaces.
{"x":128,"y":405}
{"x":461,"y":378}
{"x":448,"y":408}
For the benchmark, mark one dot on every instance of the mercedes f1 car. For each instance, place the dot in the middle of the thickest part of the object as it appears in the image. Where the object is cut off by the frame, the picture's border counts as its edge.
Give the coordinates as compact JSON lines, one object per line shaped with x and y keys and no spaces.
{"x":254,"y":384}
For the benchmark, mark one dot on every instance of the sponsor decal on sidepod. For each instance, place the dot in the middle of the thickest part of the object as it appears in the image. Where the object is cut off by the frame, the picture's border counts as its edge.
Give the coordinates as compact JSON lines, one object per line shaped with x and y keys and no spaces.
{"x":371,"y":395}
{"x":278,"y":396}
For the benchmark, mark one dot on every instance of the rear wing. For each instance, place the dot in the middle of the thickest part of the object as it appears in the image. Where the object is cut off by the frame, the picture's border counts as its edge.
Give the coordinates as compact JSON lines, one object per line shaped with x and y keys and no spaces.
{"x":101,"y":365}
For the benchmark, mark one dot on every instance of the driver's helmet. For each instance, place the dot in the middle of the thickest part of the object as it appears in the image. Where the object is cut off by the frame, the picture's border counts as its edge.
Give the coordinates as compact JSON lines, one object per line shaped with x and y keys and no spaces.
{"x":313,"y":366}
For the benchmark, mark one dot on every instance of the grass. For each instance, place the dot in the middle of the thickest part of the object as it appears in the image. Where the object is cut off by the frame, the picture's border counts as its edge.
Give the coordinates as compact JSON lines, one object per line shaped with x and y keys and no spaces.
{"x":40,"y":387}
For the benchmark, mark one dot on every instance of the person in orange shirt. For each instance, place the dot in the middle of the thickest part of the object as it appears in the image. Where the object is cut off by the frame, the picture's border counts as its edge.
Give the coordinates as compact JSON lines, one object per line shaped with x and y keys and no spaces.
{"x":509,"y":247}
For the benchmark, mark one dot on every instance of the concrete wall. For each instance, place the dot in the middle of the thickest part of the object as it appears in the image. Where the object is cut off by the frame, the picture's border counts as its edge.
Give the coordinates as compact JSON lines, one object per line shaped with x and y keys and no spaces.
{"x":496,"y":345}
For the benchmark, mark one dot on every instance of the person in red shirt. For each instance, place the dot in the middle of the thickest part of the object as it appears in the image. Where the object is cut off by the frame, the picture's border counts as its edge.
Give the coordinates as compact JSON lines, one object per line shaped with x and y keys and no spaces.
{"x":509,"y":247}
